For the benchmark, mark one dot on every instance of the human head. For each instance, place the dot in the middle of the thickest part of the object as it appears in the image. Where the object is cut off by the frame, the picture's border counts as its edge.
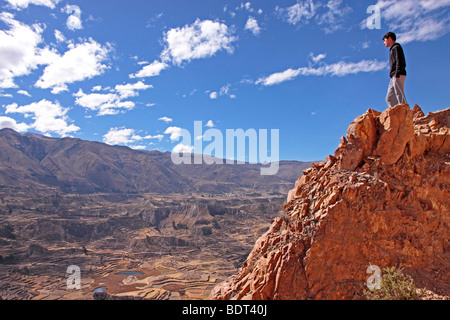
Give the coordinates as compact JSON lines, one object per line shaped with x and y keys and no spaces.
{"x":389,"y":39}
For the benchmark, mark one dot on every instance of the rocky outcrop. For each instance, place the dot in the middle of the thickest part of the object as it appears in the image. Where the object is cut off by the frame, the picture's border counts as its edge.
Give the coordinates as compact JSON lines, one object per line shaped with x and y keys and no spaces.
{"x":381,"y":199}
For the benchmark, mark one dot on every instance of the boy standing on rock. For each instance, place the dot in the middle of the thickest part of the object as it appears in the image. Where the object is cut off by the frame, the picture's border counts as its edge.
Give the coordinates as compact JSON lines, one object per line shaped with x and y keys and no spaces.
{"x":396,"y":90}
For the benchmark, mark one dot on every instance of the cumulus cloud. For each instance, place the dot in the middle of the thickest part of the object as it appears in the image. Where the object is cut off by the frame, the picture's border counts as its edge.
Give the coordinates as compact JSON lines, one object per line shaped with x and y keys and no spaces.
{"x":252,"y":25}
{"x":7,"y":122}
{"x":24,"y":92}
{"x":82,"y":61}
{"x":175,"y":133}
{"x":127,"y":137}
{"x":49,"y":117}
{"x":19,"y":50}
{"x":110,"y":103}
{"x":103,"y":103}
{"x":131,"y":90}
{"x":339,"y":69}
{"x":183,"y":148}
{"x":166,"y":119}
{"x":151,"y":70}
{"x":120,"y":136}
{"x":202,"y":39}
{"x":416,"y":20}
{"x":210,"y":124}
{"x":22,"y":4}
{"x":213,"y":95}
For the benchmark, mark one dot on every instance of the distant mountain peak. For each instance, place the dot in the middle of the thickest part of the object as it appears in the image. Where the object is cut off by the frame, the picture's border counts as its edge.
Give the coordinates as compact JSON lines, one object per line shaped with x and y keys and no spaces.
{"x":78,"y":166}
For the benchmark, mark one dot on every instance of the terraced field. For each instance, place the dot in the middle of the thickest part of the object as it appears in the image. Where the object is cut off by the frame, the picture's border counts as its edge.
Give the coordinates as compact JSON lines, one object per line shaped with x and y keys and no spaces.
{"x":146,"y":247}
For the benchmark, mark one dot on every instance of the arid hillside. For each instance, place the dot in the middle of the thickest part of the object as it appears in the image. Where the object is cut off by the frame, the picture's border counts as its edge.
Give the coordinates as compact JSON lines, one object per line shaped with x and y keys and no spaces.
{"x":382,"y":199}
{"x":137,"y":225}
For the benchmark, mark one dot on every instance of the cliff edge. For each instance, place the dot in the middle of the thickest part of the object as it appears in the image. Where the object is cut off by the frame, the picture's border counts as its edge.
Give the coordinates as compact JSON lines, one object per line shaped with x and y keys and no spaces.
{"x":383,"y":199}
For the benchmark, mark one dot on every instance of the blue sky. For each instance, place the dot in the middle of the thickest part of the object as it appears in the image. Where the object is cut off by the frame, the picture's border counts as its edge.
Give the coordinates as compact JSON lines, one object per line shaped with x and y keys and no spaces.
{"x":137,"y":72}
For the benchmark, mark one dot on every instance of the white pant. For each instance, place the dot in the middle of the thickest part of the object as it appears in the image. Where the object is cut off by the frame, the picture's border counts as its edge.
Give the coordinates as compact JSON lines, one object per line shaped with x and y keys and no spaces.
{"x":396,"y":91}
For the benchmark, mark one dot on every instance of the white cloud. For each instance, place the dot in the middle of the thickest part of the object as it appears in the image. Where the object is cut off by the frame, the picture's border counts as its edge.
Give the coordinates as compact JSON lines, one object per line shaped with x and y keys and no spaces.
{"x":166,"y":119}
{"x":202,"y":39}
{"x":128,"y":137}
{"x":427,"y":29}
{"x":19,"y":51}
{"x":332,"y":18}
{"x":175,"y":132}
{"x":80,"y":62}
{"x":252,"y":25}
{"x":113,"y":102}
{"x":317,"y":58}
{"x":59,"y":36}
{"x":279,"y":77}
{"x":329,"y":15}
{"x":339,"y":69}
{"x":23,"y":92}
{"x":182,"y":148}
{"x":246,"y":6}
{"x":151,"y":70}
{"x":22,"y":4}
{"x":225,"y":90}
{"x":300,"y":11}
{"x":213,"y":95}
{"x":131,"y":90}
{"x":210,"y":124}
{"x":416,"y":20}
{"x":117,"y":136}
{"x":158,"y":136}
{"x":74,"y":23}
{"x":138,"y":147}
{"x":103,"y":103}
{"x":7,"y":122}
{"x":48,"y":117}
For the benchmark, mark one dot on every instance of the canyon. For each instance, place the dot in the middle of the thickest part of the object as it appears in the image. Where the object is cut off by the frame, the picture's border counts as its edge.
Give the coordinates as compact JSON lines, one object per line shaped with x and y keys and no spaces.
{"x":134,"y":224}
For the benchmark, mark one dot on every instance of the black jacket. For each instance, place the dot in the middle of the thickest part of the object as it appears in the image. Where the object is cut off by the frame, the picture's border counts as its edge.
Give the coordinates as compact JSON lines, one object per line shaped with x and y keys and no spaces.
{"x":397,"y":61}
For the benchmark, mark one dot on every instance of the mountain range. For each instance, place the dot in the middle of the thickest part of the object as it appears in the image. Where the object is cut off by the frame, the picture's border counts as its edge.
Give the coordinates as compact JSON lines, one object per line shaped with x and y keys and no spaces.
{"x":77,"y":166}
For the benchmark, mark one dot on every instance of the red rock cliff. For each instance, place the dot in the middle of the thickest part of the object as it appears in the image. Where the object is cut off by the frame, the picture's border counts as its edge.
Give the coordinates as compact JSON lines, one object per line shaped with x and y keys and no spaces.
{"x":382,"y":199}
